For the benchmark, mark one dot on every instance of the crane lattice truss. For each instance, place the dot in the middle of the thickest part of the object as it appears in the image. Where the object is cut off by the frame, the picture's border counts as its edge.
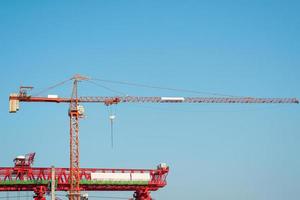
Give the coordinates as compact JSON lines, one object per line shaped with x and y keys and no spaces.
{"x":137,"y":99}
{"x":75,"y":114}
{"x":38,"y":179}
{"x":26,"y":179}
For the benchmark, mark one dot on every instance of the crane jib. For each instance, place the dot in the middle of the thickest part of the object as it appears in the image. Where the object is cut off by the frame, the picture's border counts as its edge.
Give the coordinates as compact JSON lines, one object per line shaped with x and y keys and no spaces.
{"x":138,"y":99}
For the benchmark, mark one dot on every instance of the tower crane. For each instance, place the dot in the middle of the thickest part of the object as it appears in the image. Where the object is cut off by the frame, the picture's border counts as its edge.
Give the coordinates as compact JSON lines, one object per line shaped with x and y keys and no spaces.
{"x":76,"y":112}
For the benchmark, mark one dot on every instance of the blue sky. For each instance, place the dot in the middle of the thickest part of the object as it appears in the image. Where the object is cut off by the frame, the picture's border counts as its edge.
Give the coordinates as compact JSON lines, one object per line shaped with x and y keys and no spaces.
{"x":228,"y":152}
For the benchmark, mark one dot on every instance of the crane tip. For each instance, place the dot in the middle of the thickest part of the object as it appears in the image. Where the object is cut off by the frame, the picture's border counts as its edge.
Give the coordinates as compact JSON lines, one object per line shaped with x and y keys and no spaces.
{"x":80,"y":77}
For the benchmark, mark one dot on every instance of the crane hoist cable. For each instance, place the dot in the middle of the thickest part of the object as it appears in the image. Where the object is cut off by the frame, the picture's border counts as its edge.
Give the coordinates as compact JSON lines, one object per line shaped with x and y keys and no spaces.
{"x":112,"y":117}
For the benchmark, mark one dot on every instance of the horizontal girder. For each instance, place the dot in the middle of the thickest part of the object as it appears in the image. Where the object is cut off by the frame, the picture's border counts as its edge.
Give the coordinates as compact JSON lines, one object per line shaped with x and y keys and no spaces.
{"x":138,"y":99}
{"x":26,"y":179}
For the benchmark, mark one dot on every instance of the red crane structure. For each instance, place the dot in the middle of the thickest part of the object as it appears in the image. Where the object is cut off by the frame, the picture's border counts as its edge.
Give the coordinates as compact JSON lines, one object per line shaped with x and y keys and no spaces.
{"x":24,"y":177}
{"x":76,"y":112}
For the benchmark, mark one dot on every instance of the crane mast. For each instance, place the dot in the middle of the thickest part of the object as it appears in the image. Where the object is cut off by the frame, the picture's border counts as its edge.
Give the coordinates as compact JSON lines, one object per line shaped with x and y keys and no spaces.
{"x":76,"y":112}
{"x":74,"y":192}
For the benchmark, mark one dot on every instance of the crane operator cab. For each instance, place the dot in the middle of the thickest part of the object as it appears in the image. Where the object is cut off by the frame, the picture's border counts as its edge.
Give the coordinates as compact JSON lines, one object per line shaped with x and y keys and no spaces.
{"x":24,"y":161}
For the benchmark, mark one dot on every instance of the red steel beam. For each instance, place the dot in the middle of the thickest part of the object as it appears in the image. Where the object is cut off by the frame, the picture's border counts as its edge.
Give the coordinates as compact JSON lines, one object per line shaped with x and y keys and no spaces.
{"x":26,"y":179}
{"x":138,"y":99}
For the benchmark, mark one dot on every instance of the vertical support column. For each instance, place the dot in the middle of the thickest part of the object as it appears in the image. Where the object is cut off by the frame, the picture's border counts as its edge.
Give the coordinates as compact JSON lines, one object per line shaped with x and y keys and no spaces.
{"x":39,"y":193}
{"x":74,"y":192}
{"x":142,"y":195}
{"x":52,"y":183}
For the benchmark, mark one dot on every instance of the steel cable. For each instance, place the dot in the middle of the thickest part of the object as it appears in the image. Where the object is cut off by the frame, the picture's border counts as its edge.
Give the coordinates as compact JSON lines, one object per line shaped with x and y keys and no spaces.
{"x":163,"y":88}
{"x":51,"y":87}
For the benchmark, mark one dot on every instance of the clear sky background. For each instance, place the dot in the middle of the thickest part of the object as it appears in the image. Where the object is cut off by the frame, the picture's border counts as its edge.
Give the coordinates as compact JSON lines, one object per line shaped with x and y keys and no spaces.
{"x":215,"y":152}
